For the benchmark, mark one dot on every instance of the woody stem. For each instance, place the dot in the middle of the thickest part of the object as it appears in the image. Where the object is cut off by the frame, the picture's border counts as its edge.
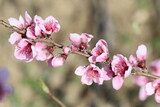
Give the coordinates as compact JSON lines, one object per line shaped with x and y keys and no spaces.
{"x":61,"y":46}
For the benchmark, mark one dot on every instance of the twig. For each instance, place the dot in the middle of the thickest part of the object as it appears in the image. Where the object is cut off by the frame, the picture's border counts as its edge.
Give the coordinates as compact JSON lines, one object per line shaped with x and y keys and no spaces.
{"x":61,"y":46}
{"x":47,"y":90}
{"x":21,"y":31}
{"x":145,"y":74}
{"x":56,"y":99}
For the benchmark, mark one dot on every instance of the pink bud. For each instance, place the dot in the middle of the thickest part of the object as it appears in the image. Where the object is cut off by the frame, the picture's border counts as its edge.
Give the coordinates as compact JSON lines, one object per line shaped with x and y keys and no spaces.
{"x":58,"y":60}
{"x":141,"y":52}
{"x":81,"y":41}
{"x":67,"y":50}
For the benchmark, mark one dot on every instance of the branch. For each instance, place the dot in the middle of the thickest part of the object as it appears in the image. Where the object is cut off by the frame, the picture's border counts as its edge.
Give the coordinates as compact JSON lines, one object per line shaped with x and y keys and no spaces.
{"x":47,"y":90}
{"x":61,"y":46}
{"x":145,"y":74}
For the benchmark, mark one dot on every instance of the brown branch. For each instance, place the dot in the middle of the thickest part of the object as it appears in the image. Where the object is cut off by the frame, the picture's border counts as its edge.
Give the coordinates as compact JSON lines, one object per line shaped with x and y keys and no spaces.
{"x":47,"y":91}
{"x":81,"y":53}
{"x":146,"y":75}
{"x":61,"y":46}
{"x":49,"y":42}
{"x":57,"y":100}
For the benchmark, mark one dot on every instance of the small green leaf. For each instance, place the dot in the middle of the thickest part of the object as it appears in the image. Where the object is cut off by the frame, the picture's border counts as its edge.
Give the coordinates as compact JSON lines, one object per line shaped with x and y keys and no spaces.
{"x":43,"y":86}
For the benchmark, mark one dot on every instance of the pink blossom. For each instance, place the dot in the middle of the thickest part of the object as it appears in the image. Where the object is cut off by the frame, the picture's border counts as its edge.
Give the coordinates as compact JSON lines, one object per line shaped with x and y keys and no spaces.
{"x":50,"y":25}
{"x":15,"y":38}
{"x":100,"y":52}
{"x":90,"y":74}
{"x":80,"y":40}
{"x":25,"y":50}
{"x":47,"y":26}
{"x":121,"y":68}
{"x":140,"y":58}
{"x":58,"y":60}
{"x":44,"y":52}
{"x":155,"y":67}
{"x":154,"y":88}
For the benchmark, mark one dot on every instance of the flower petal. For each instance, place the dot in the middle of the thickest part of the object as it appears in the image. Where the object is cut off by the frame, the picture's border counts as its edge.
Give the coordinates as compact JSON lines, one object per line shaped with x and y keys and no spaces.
{"x":117,"y":82}
{"x":141,"y":52}
{"x":142,"y":94}
{"x":80,"y":70}
{"x":149,"y":88}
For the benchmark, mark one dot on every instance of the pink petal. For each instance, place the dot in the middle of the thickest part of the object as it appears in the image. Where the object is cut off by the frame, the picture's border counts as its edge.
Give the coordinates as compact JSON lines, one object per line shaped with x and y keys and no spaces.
{"x":141,"y":52}
{"x":18,"y":55}
{"x":30,"y":33}
{"x":13,"y":22}
{"x":86,"y":80}
{"x":92,"y":59}
{"x":37,"y":30}
{"x":42,"y":55}
{"x":102,"y":58}
{"x":15,"y":38}
{"x":106,"y":72}
{"x":142,"y":94}
{"x":32,"y":55}
{"x":133,"y":60}
{"x":117,"y":82}
{"x":98,"y":80}
{"x":39,"y":46}
{"x":102,"y":42}
{"x":157,"y":96}
{"x":21,"y":22}
{"x":86,"y":37}
{"x":149,"y":88}
{"x":80,"y":70}
{"x":28,"y":18}
{"x":156,"y":83}
{"x":128,"y":72}
{"x":75,"y":38}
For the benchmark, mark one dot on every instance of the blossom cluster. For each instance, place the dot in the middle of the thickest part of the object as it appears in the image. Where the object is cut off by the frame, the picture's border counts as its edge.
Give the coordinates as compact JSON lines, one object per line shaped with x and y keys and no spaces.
{"x":25,"y":46}
{"x":33,"y":43}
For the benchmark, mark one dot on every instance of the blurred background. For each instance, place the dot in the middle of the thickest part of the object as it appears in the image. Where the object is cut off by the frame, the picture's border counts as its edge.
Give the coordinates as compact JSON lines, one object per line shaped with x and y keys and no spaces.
{"x":124,"y":24}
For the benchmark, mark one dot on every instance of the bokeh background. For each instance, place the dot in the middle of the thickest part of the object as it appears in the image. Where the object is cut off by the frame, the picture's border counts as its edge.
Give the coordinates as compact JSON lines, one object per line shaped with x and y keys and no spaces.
{"x":124,"y":24}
